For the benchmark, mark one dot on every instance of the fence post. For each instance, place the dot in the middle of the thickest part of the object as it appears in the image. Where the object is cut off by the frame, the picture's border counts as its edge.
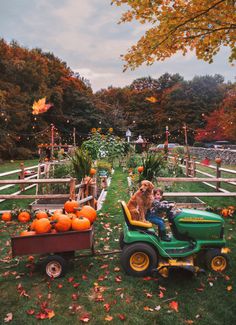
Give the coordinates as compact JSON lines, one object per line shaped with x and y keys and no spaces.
{"x":22,"y":176}
{"x":72,"y":188}
{"x":194,"y":166}
{"x":187,"y":166}
{"x":218,"y":172}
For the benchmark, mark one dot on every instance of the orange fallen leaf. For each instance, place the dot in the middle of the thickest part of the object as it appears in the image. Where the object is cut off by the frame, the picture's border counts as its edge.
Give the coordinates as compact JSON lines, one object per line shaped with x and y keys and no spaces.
{"x":148,"y":308}
{"x":109,"y":318}
{"x":104,"y":266}
{"x":229,"y":288}
{"x":188,"y":321}
{"x":174,"y":305}
{"x":71,"y":279}
{"x":51,"y":313}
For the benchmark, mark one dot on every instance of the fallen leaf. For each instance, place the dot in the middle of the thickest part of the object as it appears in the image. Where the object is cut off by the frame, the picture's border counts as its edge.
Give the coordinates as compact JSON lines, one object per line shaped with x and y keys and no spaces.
{"x":74,"y":296}
{"x":50,"y":313}
{"x":75,"y":285}
{"x":147,"y":278}
{"x":71,"y":279}
{"x":148,"y":295}
{"x":104,"y":266}
{"x":116,"y":269}
{"x":30,"y":311}
{"x":174,"y":305}
{"x":122,"y":317}
{"x":85,"y":318}
{"x":118,"y":279}
{"x":109,"y":318}
{"x":161,"y":294}
{"x":84,"y":277}
{"x":157,"y":308}
{"x":188,"y":321}
{"x":8,"y":318}
{"x":148,"y":308}
{"x":107,"y":307}
{"x":60,"y":285}
{"x":229,"y":288}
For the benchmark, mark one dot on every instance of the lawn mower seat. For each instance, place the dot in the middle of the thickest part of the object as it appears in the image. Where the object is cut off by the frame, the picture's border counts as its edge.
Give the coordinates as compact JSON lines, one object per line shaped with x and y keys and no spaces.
{"x":133,"y":223}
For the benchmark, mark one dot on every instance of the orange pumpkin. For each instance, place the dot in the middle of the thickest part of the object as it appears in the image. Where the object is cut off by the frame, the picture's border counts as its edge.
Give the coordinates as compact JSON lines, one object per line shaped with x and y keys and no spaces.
{"x":41,"y":214}
{"x":87,"y":212}
{"x":42,"y":226}
{"x":24,"y":216}
{"x":6,"y":216}
{"x":225,"y":212}
{"x":70,"y":205}
{"x":80,"y":224}
{"x":63,"y":223}
{"x":140,"y":169}
{"x":218,"y":160}
{"x":92,"y":171}
{"x":32,"y":226}
{"x":71,"y":215}
{"x":27,"y":233}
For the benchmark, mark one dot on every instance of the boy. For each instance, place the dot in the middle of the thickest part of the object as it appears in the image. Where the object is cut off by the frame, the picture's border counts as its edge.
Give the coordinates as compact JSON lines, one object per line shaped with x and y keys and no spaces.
{"x":152,"y":214}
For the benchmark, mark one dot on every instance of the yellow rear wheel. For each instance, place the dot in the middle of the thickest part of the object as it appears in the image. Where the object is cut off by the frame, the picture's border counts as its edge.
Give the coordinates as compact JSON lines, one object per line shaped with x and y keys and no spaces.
{"x":218,"y":263}
{"x":139,"y":261}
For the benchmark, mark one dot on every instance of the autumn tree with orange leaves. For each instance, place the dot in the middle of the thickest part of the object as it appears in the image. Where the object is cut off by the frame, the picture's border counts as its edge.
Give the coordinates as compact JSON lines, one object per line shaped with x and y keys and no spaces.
{"x":201,"y":25}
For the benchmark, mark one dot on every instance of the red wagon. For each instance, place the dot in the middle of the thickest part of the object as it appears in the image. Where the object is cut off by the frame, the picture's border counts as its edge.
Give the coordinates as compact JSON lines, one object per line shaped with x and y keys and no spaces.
{"x":59,"y":248}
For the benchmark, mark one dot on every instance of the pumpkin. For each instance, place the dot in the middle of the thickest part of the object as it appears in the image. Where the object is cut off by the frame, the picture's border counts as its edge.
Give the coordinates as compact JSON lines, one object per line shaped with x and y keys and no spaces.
{"x":218,"y":160}
{"x":42,"y":226}
{"x":63,"y":223}
{"x":92,"y":171}
{"x":71,"y":215}
{"x":27,"y":233}
{"x":80,"y":224}
{"x":6,"y":216}
{"x":87,"y":212}
{"x":140,"y":169}
{"x":70,"y":205}
{"x":225,"y":212}
{"x":41,"y":214}
{"x":24,"y":216}
{"x":56,"y":214}
{"x":32,"y":226}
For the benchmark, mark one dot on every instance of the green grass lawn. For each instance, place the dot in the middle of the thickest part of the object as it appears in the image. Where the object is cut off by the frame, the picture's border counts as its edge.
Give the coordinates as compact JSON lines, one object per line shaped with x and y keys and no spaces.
{"x":96,"y":287}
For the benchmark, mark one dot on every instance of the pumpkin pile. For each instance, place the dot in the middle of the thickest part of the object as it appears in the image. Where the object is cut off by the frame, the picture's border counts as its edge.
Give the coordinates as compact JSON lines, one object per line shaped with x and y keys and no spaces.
{"x":70,"y":218}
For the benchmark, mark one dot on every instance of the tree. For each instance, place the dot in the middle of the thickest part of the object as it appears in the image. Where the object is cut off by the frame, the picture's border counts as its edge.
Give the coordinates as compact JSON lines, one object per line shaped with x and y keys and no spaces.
{"x":203,"y":25}
{"x":220,"y":124}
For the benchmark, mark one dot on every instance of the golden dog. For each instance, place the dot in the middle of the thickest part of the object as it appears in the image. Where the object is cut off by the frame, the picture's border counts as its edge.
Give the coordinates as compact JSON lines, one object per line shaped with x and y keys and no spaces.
{"x":141,"y":201}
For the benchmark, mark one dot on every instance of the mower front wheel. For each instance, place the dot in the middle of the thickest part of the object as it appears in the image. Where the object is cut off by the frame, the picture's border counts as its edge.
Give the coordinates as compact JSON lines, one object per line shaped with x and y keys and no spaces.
{"x":138,"y":259}
{"x":216,"y":261}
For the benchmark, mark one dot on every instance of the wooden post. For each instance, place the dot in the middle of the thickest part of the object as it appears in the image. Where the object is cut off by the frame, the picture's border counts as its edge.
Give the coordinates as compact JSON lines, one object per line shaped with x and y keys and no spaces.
{"x":187,"y":166}
{"x":93,"y":192}
{"x":22,"y":176}
{"x":194,"y":166}
{"x":72,"y":188}
{"x":218,"y":172}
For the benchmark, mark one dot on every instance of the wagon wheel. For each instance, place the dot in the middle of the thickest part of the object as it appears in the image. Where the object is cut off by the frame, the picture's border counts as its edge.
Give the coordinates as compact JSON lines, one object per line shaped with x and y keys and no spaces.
{"x":138,"y":259}
{"x":55,"y":266}
{"x":216,"y":261}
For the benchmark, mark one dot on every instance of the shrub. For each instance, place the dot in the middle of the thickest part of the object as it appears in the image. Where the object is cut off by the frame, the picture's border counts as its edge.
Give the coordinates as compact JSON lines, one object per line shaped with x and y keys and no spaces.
{"x":21,"y":153}
{"x":81,"y":163}
{"x":104,"y":165}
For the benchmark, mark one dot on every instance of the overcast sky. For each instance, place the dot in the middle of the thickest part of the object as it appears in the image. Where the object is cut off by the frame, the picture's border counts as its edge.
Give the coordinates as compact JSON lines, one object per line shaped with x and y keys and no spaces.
{"x":85,"y":34}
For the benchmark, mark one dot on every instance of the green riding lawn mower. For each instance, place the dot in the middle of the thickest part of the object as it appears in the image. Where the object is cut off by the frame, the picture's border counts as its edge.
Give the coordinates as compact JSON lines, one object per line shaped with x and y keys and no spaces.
{"x":197,"y":242}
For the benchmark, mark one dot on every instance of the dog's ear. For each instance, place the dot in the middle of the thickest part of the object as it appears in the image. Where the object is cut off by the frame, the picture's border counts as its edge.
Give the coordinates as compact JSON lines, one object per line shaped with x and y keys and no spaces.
{"x":151,"y":186}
